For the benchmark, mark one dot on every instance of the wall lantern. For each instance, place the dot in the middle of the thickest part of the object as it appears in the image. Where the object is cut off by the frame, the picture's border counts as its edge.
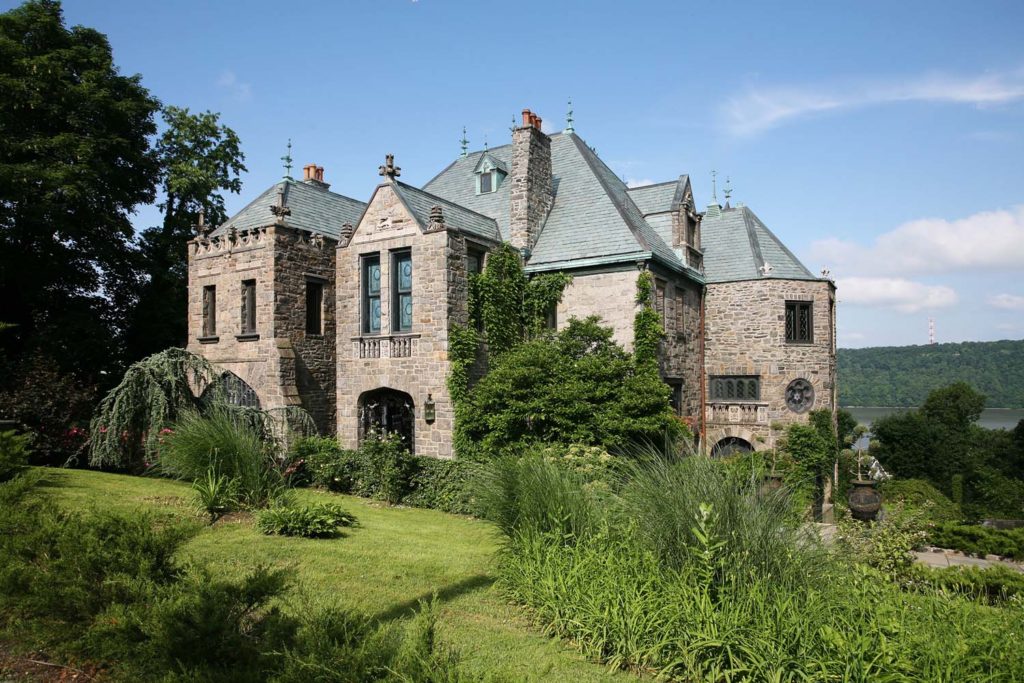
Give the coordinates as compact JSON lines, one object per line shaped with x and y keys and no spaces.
{"x":429,"y":411}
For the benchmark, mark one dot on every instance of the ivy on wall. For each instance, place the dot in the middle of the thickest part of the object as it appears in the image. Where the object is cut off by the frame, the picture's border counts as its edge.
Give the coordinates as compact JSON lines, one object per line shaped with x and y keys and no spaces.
{"x":647,"y":329}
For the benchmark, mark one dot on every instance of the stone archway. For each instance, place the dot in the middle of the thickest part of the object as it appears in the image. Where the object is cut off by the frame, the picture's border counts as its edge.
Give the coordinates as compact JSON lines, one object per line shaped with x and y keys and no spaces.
{"x":731,"y":445}
{"x":235,"y":390}
{"x":388,"y":411}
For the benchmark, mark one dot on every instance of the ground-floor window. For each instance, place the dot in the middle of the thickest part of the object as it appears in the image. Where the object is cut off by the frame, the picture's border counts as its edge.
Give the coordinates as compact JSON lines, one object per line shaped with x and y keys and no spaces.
{"x":731,"y":445}
{"x":387,"y":411}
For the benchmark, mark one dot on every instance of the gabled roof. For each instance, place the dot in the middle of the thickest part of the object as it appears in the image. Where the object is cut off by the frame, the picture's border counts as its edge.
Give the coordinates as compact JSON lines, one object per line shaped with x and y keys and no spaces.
{"x":657,"y":202}
{"x":421,"y":202}
{"x":313,"y":209}
{"x":592,"y":217}
{"x":737,"y":245}
{"x":495,"y":162}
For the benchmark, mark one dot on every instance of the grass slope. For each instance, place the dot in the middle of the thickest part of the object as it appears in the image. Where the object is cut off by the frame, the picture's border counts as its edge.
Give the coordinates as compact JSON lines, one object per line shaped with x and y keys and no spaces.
{"x":385,"y":566}
{"x":903,"y":376}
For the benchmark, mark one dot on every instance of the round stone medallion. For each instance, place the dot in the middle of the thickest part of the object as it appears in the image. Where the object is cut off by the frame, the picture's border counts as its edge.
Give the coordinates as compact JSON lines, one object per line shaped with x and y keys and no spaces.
{"x":799,"y":396}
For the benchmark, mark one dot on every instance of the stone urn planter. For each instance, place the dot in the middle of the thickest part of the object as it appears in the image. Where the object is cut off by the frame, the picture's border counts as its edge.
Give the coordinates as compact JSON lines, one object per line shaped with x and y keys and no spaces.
{"x":772,"y":483}
{"x":864,"y":500}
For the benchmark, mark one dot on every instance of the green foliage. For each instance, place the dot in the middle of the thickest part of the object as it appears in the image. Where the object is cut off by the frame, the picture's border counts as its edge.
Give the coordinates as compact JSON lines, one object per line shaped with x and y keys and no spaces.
{"x":904,"y":375}
{"x":199,"y":159}
{"x":14,"y":452}
{"x":225,"y":443}
{"x":445,"y":485}
{"x":975,"y":539}
{"x":462,"y":349}
{"x":811,"y":454}
{"x":996,"y":584}
{"x":578,"y":386}
{"x":215,"y":494}
{"x":52,"y":405}
{"x":698,"y":585}
{"x":647,"y":329}
{"x":154,"y":392}
{"x":387,"y":467}
{"x":885,"y":545}
{"x":322,"y":520}
{"x":75,"y":162}
{"x":329,"y":465}
{"x":918,"y":495}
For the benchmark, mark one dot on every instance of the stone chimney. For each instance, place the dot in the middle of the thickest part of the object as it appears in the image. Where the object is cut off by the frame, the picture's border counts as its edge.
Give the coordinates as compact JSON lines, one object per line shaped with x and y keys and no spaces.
{"x":314,"y":175}
{"x":531,"y":182}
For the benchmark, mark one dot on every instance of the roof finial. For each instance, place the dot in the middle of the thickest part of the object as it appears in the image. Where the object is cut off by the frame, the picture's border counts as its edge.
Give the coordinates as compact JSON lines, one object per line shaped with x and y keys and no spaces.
{"x":568,"y":119}
{"x":485,"y":142}
{"x":388,"y":169}
{"x":287,"y":159}
{"x":727,"y":191}
{"x":513,"y":126}
{"x":714,"y":186}
{"x":464,"y":142}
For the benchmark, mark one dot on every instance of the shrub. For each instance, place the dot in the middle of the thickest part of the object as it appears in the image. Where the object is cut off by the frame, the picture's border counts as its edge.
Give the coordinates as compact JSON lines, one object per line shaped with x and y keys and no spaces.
{"x":921,"y":496}
{"x":228,"y":444}
{"x":885,"y":545}
{"x":996,"y":584}
{"x":445,"y":485}
{"x":328,"y":464}
{"x":322,"y":520}
{"x":387,"y":467}
{"x":13,"y":453}
{"x":979,"y":540}
{"x":215,"y":494}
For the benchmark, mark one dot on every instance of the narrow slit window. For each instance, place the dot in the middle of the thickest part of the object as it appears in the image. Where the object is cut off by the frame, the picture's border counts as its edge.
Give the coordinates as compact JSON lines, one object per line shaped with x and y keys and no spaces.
{"x":210,"y":311}
{"x":248,"y":307}
{"x":371,"y":295}
{"x":314,"y":307}
{"x":402,"y":284}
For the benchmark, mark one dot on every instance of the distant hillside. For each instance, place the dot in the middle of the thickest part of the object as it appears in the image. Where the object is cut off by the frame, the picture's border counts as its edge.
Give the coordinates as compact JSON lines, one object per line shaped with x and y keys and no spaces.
{"x":904,"y":375}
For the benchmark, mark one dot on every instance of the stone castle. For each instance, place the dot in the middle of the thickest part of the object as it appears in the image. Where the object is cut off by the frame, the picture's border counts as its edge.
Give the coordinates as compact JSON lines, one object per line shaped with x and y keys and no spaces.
{"x":310,"y":298}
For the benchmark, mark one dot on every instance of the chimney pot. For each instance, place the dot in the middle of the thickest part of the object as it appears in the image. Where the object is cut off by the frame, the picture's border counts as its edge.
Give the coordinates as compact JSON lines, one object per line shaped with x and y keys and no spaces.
{"x":308,"y":171}
{"x":538,"y":121}
{"x":320,"y":173}
{"x":527,"y":118}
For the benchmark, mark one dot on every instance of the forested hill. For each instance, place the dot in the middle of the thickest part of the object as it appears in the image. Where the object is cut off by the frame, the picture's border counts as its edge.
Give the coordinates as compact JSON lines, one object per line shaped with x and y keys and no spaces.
{"x":903,"y":375}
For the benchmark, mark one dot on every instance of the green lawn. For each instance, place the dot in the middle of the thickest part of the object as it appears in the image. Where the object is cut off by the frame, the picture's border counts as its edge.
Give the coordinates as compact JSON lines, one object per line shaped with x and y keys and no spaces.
{"x":385,"y":566}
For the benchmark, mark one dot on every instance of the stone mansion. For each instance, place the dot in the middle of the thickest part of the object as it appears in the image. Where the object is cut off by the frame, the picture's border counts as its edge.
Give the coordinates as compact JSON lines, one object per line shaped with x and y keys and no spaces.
{"x":311,"y":298}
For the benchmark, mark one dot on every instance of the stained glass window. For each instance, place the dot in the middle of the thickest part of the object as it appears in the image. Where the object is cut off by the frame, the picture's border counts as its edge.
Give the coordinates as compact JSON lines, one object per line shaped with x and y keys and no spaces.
{"x":799,"y":396}
{"x":402,"y":319}
{"x":371,"y":294}
{"x":734,"y":388}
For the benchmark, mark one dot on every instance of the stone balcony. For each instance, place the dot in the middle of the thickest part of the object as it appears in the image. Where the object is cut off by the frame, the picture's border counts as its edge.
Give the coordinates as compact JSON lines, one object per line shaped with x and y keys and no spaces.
{"x":386,"y":346}
{"x":736,"y":412}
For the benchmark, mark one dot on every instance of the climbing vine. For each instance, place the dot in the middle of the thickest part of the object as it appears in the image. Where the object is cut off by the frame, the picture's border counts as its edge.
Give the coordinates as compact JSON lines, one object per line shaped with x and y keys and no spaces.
{"x":462,"y":345}
{"x":647,"y":329}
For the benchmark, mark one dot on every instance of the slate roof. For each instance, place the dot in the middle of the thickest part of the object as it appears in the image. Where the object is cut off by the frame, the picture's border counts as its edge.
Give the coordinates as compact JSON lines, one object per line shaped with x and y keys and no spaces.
{"x":593,"y":217}
{"x":737,"y":244}
{"x":421,"y":202}
{"x":314,"y":209}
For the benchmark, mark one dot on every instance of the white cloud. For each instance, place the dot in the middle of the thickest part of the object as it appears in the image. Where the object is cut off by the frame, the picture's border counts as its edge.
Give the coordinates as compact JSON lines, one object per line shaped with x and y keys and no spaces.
{"x":1009,"y":302}
{"x":758,"y":110}
{"x":239,"y":91}
{"x":902,"y":295}
{"x":638,"y":182}
{"x":991,"y":240}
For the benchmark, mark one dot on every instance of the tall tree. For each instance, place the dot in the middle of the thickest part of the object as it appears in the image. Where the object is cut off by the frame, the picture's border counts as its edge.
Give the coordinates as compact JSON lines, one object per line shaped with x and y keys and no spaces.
{"x":199,"y":160}
{"x":75,"y":160}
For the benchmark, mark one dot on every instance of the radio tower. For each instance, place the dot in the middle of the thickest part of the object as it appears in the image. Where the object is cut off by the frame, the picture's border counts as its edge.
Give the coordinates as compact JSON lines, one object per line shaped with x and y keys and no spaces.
{"x":931,"y":331}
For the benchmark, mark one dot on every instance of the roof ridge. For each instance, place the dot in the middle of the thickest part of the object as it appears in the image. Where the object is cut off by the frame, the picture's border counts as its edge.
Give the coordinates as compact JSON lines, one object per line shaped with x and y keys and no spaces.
{"x":442,"y":199}
{"x":324,"y":190}
{"x":249,"y":205}
{"x":775,"y":238}
{"x":589,"y":157}
{"x":644,"y":187}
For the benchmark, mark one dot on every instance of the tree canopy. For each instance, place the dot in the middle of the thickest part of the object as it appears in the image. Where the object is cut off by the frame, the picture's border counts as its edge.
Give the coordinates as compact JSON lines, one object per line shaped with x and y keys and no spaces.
{"x":75,"y":160}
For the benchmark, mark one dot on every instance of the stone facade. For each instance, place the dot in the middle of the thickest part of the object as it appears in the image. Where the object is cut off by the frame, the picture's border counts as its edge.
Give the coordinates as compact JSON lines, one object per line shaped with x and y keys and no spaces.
{"x":281,"y":363}
{"x":531,"y":182}
{"x":414,"y":363}
{"x":745,"y":335}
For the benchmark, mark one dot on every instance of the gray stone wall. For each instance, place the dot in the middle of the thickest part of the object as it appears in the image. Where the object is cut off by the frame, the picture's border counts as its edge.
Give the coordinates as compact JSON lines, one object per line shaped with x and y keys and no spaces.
{"x":609,"y":295}
{"x":309,"y":369}
{"x":745,"y":335}
{"x":530,"y":191}
{"x":415,"y":362}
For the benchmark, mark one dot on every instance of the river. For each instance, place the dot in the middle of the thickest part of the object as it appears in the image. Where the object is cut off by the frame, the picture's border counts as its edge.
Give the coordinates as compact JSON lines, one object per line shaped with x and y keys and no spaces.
{"x":991,"y":418}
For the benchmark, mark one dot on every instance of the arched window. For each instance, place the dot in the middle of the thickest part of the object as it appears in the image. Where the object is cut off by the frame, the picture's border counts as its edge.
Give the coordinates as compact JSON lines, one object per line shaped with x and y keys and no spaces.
{"x":731,"y":445}
{"x":387,"y":411}
{"x":233,"y":389}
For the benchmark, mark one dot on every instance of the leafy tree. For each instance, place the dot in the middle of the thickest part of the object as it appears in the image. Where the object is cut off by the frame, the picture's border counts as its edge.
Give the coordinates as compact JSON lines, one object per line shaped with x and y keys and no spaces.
{"x":75,"y":160}
{"x":957,"y":406}
{"x":199,"y":160}
{"x":577,"y":386}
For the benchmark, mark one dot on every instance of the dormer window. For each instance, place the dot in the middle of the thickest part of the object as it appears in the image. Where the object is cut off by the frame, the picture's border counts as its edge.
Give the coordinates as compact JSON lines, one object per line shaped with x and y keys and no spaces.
{"x":489,"y":174}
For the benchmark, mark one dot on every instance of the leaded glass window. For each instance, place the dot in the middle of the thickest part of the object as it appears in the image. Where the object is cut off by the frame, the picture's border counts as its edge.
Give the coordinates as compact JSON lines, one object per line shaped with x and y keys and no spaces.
{"x":799,"y":396}
{"x":734,"y":388}
{"x":402,"y":316}
{"x":799,"y":322}
{"x":371,"y":295}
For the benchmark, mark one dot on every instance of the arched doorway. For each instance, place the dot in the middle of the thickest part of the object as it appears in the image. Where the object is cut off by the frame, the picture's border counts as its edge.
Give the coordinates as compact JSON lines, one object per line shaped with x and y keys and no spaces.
{"x":233,"y":389}
{"x":387,"y":411}
{"x":731,"y":445}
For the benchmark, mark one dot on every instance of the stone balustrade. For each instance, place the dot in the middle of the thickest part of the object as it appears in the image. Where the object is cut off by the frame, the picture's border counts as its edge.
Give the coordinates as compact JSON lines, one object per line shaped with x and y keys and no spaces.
{"x":388,"y":346}
{"x":736,"y":412}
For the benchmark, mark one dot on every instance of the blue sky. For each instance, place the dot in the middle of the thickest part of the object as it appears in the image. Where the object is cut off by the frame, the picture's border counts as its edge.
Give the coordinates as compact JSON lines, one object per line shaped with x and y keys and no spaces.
{"x":882,"y":140}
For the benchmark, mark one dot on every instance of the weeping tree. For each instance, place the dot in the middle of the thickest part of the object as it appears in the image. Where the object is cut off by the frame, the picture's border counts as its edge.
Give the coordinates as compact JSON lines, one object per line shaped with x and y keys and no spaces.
{"x":157,"y":391}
